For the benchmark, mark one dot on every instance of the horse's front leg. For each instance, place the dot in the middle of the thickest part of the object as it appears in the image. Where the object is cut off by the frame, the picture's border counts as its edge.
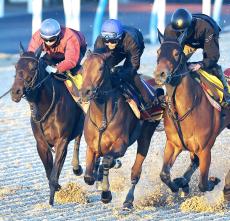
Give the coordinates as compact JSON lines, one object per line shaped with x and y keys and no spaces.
{"x":170,"y":155}
{"x":61,"y":151}
{"x":90,"y":163}
{"x":77,"y":169}
{"x":46,"y":157}
{"x":143,"y":143}
{"x":183,"y":182}
{"x":206,"y":184}
{"x":107,"y":162}
{"x":227,"y":187}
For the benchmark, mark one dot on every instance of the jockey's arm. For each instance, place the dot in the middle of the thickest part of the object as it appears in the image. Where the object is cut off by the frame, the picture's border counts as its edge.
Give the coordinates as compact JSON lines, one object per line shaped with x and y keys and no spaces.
{"x":211,"y":51}
{"x":72,"y":55}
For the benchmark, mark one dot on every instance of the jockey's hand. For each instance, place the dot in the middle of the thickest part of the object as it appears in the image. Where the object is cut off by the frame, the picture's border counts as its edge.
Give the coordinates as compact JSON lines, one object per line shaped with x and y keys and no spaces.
{"x":51,"y":69}
{"x":194,"y":66}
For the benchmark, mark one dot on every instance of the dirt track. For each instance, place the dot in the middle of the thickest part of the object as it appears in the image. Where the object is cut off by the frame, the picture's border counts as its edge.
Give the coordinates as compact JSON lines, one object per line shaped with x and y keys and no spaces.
{"x":24,"y":188}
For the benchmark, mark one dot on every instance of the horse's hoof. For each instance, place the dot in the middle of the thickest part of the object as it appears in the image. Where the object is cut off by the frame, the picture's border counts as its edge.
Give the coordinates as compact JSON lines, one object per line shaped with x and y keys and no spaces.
{"x":180,"y":182}
{"x":214,"y":180}
{"x":174,"y":188}
{"x":106,"y":196}
{"x":185,"y":189}
{"x":79,"y":171}
{"x":57,"y":187}
{"x":118,"y":164}
{"x":89,"y":180}
{"x":128,"y":206}
{"x":51,"y":201}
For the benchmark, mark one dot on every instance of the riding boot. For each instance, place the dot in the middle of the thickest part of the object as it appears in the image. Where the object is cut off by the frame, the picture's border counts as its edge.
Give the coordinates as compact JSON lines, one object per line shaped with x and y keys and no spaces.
{"x":225,"y":84}
{"x":143,"y":92}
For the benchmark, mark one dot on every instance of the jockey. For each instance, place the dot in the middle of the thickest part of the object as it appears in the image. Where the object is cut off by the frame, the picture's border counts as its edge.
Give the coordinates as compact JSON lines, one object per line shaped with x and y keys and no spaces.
{"x":65,"y":46}
{"x":198,"y":31}
{"x":125,"y":43}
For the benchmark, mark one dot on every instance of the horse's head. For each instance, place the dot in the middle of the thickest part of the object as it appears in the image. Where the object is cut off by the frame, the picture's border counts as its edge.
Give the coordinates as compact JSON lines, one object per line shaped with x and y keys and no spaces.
{"x":26,"y":74}
{"x":170,"y":61}
{"x":95,"y":73}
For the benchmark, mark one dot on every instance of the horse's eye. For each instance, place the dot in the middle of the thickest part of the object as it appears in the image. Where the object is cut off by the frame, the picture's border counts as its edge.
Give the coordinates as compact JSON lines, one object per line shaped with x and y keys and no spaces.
{"x":176,"y":54}
{"x":101,"y":68}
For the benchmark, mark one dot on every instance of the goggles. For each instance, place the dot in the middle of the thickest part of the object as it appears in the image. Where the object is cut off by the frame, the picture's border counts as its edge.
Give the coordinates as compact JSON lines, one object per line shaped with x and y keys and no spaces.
{"x":51,"y":40}
{"x":110,"y":37}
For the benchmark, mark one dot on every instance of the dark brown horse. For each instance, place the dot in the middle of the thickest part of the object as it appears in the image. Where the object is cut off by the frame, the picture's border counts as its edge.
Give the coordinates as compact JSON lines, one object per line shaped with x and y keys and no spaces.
{"x":191,"y":122}
{"x":110,"y":126}
{"x":55,"y":118}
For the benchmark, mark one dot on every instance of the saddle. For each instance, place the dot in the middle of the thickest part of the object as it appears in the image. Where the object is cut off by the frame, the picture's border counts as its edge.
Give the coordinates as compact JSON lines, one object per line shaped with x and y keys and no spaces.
{"x":213,"y":88}
{"x":153,"y":113}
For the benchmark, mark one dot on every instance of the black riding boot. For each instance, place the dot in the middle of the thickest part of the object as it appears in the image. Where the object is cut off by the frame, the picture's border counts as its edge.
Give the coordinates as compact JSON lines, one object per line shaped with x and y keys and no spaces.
{"x":144,"y":94}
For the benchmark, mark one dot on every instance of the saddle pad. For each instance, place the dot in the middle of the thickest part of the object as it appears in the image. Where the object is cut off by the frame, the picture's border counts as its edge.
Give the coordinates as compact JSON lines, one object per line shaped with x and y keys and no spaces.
{"x":214,"y":80}
{"x":73,"y":85}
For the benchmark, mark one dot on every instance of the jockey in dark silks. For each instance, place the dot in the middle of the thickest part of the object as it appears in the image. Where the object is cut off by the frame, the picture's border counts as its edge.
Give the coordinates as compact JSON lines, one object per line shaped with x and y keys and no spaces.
{"x":125,"y":43}
{"x":199,"y":31}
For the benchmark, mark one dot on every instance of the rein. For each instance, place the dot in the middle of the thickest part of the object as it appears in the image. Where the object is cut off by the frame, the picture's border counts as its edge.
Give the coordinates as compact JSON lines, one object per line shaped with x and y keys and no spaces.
{"x":172,"y":101}
{"x":97,"y":93}
{"x":31,"y":86}
{"x":105,"y":123}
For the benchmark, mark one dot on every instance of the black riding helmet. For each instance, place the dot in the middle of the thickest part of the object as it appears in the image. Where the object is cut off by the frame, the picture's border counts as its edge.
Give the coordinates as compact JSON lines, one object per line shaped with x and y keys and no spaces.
{"x":181,"y":19}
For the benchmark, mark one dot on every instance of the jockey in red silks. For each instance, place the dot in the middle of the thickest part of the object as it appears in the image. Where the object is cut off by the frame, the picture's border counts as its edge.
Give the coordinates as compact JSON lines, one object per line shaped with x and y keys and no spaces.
{"x":66,"y":47}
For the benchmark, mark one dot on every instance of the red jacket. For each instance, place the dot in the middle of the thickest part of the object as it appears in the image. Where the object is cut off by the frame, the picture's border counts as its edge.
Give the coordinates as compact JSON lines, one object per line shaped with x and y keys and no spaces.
{"x":67,"y":52}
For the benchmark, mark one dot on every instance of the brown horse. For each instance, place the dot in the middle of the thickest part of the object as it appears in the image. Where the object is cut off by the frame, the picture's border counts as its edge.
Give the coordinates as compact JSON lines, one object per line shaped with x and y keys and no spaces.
{"x":190,"y":121}
{"x":55,"y":118}
{"x":110,"y":126}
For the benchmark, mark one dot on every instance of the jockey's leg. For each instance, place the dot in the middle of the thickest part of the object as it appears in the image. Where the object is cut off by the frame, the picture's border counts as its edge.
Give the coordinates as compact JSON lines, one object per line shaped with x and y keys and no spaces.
{"x":144,"y":94}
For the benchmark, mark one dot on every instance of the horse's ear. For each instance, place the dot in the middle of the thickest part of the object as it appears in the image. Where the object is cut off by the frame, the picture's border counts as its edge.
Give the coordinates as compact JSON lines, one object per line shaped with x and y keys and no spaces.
{"x":89,"y":52}
{"x":38,"y":52}
{"x":160,"y":36}
{"x":21,"y":48}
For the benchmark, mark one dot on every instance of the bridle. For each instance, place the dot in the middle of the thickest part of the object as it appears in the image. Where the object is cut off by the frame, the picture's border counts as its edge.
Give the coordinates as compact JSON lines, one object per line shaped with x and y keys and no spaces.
{"x":99,"y":93}
{"x":33,"y":85}
{"x":174,"y":80}
{"x":175,"y":76}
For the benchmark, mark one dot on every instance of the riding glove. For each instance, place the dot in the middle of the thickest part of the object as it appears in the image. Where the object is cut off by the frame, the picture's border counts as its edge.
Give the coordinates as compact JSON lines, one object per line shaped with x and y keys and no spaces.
{"x":51,"y":69}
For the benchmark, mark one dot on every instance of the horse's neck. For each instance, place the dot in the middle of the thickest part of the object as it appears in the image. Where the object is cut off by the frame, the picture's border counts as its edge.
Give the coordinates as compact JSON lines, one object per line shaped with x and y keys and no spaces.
{"x":97,"y":108}
{"x":46,"y":95}
{"x":186,"y":92}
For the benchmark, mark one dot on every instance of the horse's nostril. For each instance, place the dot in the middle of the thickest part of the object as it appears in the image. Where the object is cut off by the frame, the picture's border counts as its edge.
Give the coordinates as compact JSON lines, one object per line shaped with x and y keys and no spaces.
{"x":162,"y":74}
{"x":87,"y":92}
{"x":18,"y":91}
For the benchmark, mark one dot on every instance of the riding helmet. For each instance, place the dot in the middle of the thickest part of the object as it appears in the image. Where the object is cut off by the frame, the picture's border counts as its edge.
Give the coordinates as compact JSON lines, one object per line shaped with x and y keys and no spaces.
{"x":50,"y":28}
{"x":112,"y":29}
{"x":181,"y":19}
